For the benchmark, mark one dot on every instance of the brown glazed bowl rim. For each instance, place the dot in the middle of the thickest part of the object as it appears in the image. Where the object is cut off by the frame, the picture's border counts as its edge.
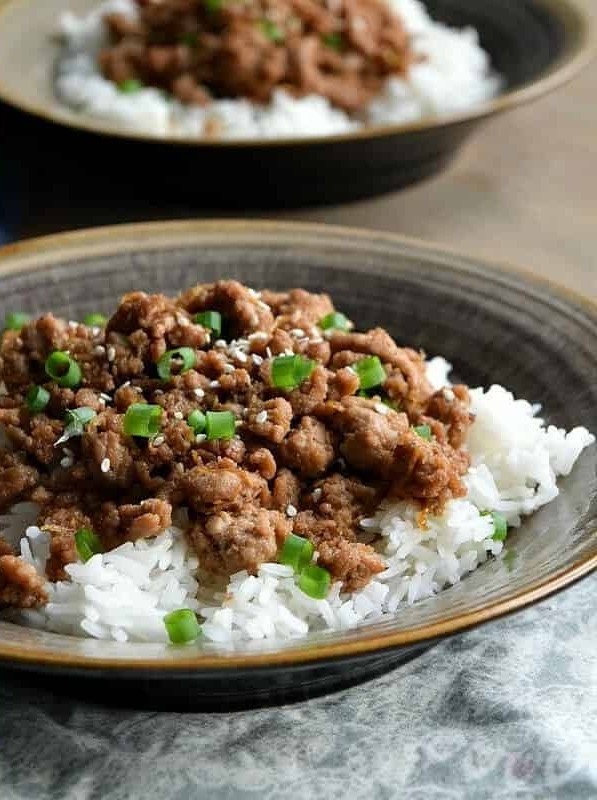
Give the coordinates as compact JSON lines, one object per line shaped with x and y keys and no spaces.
{"x":579,"y":50}
{"x":40,"y":253}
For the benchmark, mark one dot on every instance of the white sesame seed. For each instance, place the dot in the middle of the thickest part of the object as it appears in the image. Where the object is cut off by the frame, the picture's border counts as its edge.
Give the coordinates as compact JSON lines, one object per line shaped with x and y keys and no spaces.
{"x":381,"y":409}
{"x":351,"y":369}
{"x":73,"y":325}
{"x":106,"y":397}
{"x":241,"y":356}
{"x":228,"y":368}
{"x":257,"y":360}
{"x":449,"y":395}
{"x":99,"y":350}
{"x":262,"y":305}
{"x":199,"y":393}
{"x":298,"y":333}
{"x":67,"y":462}
{"x":158,"y":392}
{"x":317,"y":494}
{"x":368,"y":523}
{"x":220,"y":343}
{"x":95,"y":331}
{"x":258,"y":336}
{"x":182,"y":321}
{"x":291,"y":510}
{"x":261,"y":417}
{"x":254,"y":294}
{"x":201,"y":437}
{"x":105,"y":465}
{"x":316,"y":340}
{"x":111,"y":353}
{"x":158,"y":441}
{"x":289,"y":351}
{"x":125,"y":384}
{"x":178,"y":415}
{"x":214,"y":384}
{"x":238,"y":423}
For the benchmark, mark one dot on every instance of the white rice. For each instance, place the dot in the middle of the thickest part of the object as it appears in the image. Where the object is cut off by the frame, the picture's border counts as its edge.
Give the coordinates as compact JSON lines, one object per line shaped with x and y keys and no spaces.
{"x":124,"y":594}
{"x":454,"y":75}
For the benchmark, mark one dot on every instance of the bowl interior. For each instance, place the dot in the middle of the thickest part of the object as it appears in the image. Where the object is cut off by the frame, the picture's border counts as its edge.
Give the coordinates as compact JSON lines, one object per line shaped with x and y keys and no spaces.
{"x":494,"y":326}
{"x":527,"y":40}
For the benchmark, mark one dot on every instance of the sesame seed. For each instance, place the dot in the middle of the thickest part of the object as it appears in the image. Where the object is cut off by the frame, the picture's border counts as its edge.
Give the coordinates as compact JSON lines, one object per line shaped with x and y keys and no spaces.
{"x":261,"y":417}
{"x":73,"y":325}
{"x":241,"y":356}
{"x":105,"y":465}
{"x":291,"y":510}
{"x":449,"y":395}
{"x":111,"y":353}
{"x":258,"y":336}
{"x":158,"y":441}
{"x":220,"y":343}
{"x":125,"y":384}
{"x":262,"y":305}
{"x":214,"y":384}
{"x":298,"y":333}
{"x":199,"y":393}
{"x":268,"y":352}
{"x":178,"y":415}
{"x":289,"y":351}
{"x":67,"y":461}
{"x":254,"y":294}
{"x":238,"y":423}
{"x":106,"y":397}
{"x":158,"y":392}
{"x":228,"y":368}
{"x":99,"y":350}
{"x":381,"y":409}
{"x":316,"y":340}
{"x":257,"y":360}
{"x":317,"y":494}
{"x":95,"y":331}
{"x":201,"y":437}
{"x":182,"y":321}
{"x":367,"y":523}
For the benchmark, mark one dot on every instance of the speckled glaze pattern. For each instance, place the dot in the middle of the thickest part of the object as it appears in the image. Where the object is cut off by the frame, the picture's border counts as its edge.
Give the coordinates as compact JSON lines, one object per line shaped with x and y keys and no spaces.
{"x":495,"y":326}
{"x":536,"y":45}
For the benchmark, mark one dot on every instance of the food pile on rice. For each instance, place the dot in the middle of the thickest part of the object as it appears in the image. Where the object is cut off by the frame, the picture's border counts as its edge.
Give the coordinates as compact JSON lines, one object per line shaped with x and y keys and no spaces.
{"x":243,"y":465}
{"x":267,"y":68}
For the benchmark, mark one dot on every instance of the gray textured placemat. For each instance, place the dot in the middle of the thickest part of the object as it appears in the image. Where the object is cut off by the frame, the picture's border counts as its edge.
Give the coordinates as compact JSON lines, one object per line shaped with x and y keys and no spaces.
{"x":505,"y":711}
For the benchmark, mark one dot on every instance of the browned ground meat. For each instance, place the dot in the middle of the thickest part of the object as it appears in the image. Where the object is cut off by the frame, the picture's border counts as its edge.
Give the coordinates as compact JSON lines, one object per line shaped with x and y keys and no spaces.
{"x":315,"y":459}
{"x":5,"y":548}
{"x":20,"y":585}
{"x":343,"y":51}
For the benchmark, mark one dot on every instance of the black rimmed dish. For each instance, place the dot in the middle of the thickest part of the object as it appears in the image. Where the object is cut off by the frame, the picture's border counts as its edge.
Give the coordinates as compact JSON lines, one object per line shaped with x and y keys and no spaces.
{"x":536,"y":45}
{"x":495,"y":326}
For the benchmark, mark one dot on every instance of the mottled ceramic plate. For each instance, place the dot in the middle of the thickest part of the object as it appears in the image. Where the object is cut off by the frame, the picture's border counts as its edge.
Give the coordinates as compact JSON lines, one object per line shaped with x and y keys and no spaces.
{"x":536,"y":45}
{"x":494,"y":325}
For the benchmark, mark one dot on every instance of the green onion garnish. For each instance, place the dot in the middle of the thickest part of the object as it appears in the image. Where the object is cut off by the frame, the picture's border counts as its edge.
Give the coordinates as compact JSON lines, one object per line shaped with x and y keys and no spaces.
{"x":315,"y":581}
{"x":76,"y":419}
{"x":370,"y":371}
{"x":500,"y":525}
{"x":212,"y":6}
{"x":182,"y":356}
{"x":63,"y":369}
{"x":95,"y":320}
{"x":424,"y":431}
{"x":197,"y":421}
{"x":336,"y":321}
{"x":182,"y":626}
{"x":288,"y":372}
{"x":142,"y":419}
{"x":130,"y":86}
{"x":16,"y":321}
{"x":273,"y":32}
{"x":88,"y":544}
{"x":37,"y":398}
{"x":190,"y":39}
{"x":219,"y":425}
{"x":296,"y":552}
{"x":333,"y":40}
{"x":212,"y":320}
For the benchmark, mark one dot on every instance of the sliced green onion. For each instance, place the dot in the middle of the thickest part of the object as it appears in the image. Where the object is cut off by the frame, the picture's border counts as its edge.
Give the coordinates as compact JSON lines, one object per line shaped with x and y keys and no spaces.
{"x":182,"y":626}
{"x":370,"y":371}
{"x":95,"y":320}
{"x":142,"y":419}
{"x":16,"y":321}
{"x":315,"y":581}
{"x":63,"y":369}
{"x":130,"y":86}
{"x":288,"y":372}
{"x":212,"y":6}
{"x":500,"y":525}
{"x":296,"y":552}
{"x":37,"y":398}
{"x":212,"y":320}
{"x":190,"y":39}
{"x":272,"y":31}
{"x":76,"y":419}
{"x":88,"y":544}
{"x":197,"y":421}
{"x":336,"y":321}
{"x":219,"y":425}
{"x":424,"y":431}
{"x":185,"y":356}
{"x":333,"y":40}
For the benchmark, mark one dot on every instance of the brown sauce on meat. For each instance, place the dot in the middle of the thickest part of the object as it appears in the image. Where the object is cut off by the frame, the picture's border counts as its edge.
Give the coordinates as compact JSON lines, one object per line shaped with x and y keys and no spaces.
{"x":198,"y":49}
{"x":314,"y":460}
